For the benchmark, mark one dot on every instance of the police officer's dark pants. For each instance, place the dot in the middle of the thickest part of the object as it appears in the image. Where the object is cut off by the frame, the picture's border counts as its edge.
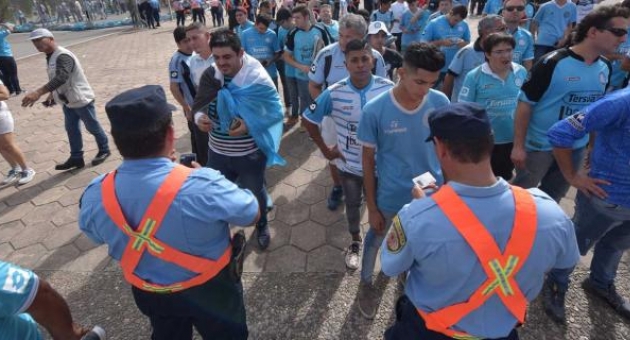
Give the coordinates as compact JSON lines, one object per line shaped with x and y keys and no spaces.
{"x":409,"y":325}
{"x":215,"y":309}
{"x":181,"y":18}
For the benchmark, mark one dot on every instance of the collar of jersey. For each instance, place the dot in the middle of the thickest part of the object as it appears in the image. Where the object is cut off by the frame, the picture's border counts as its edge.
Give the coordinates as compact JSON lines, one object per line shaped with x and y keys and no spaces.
{"x":485,"y":68}
{"x":472,"y":191}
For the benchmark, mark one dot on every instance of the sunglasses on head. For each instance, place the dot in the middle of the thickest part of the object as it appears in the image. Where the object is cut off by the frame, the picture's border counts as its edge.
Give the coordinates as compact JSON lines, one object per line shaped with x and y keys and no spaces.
{"x":515,"y":8}
{"x":617,"y":32}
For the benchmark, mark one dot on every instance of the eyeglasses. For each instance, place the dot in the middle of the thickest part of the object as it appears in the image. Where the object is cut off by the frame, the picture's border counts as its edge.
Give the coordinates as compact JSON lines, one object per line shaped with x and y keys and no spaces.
{"x":515,"y":8}
{"x":617,"y":32}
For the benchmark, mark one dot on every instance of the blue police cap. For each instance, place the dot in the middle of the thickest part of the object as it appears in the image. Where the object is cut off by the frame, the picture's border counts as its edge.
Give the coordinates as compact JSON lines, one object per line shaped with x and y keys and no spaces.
{"x":459,"y":121}
{"x":138,"y":108}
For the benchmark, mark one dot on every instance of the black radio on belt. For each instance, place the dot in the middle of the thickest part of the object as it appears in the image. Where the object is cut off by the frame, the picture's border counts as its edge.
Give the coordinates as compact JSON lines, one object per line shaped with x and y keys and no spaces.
{"x":238,"y":254}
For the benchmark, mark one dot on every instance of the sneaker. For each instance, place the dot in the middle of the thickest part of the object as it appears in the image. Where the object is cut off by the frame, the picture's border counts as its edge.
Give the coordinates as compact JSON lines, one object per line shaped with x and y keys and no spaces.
{"x":26,"y":176}
{"x":353,"y":257}
{"x":71,"y":163}
{"x":269,"y":201}
{"x":97,"y":333}
{"x":100,"y":157}
{"x":553,"y":301}
{"x":334,"y":200}
{"x":368,"y":301}
{"x":263,"y":236}
{"x":12,"y":176}
{"x":610,"y":295}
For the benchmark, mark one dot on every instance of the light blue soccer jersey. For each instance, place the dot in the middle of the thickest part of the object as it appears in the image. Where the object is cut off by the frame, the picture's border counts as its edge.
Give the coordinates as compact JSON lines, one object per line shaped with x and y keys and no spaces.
{"x":524,"y":49}
{"x":5,"y":46}
{"x":499,"y":97}
{"x":619,"y":75}
{"x":262,"y":46}
{"x":301,"y":44}
{"x":242,"y":28}
{"x":387,"y":18}
{"x":443,"y":270}
{"x":413,"y":30}
{"x":338,"y":70}
{"x":344,"y":103}
{"x":439,"y":29}
{"x":560,"y":85}
{"x":18,"y":287}
{"x":333,"y":29}
{"x":466,"y":59}
{"x":552,"y":21}
{"x":398,"y":135}
{"x":179,"y":72}
{"x":289,"y":71}
{"x":492,"y":7}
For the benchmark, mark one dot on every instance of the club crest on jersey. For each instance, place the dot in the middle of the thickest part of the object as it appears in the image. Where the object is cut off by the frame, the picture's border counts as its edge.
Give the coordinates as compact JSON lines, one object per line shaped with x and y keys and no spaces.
{"x":377,"y":25}
{"x":174,"y":74}
{"x":312,"y":107}
{"x":567,"y":14}
{"x":313,"y":68}
{"x":518,"y":82}
{"x":464,"y":91}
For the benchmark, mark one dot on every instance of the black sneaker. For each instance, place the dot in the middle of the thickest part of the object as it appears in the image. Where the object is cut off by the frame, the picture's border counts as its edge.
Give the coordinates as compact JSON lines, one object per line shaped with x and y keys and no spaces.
{"x":610,"y":295}
{"x":263,"y":236}
{"x":71,"y":163}
{"x":101,"y":156}
{"x":97,"y":333}
{"x":553,"y":301}
{"x":334,"y":200}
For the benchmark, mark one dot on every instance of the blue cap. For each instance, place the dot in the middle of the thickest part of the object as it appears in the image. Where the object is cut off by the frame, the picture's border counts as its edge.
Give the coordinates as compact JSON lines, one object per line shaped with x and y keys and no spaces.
{"x":139,"y":108}
{"x":459,"y":121}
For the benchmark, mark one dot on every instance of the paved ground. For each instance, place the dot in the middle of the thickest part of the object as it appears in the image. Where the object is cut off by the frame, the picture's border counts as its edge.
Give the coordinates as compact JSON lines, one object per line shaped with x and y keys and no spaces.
{"x":298,"y":289}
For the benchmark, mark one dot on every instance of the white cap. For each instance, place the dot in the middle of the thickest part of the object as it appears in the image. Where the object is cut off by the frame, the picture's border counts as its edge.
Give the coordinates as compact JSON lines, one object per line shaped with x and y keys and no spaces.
{"x":40,"y":33}
{"x":377,"y":26}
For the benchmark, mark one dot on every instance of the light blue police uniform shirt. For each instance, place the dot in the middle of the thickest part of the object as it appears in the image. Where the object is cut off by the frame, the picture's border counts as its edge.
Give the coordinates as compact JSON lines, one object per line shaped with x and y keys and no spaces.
{"x":289,"y":71}
{"x":385,"y":17}
{"x":338,"y":70}
{"x":18,"y":287}
{"x":499,"y":97}
{"x":610,"y":156}
{"x":439,"y":29}
{"x":444,"y":270}
{"x":197,"y":222}
{"x":492,"y":7}
{"x":619,"y":75}
{"x":344,"y":104}
{"x":398,"y":135}
{"x":179,"y":73}
{"x":414,"y":30}
{"x":262,"y":46}
{"x":553,"y":20}
{"x":333,"y":29}
{"x":560,"y":85}
{"x":5,"y":46}
{"x":242,"y":28}
{"x":466,"y":59}
{"x":302,"y":47}
{"x":524,"y":48}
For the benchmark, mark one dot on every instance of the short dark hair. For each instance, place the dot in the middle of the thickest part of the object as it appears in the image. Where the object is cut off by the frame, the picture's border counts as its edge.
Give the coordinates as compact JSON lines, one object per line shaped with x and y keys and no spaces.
{"x":263,"y":19}
{"x":143,"y":143}
{"x":599,"y":18}
{"x":357,"y":45}
{"x":179,"y":33}
{"x":470,"y":150}
{"x":264,"y":4}
{"x":424,"y":56}
{"x":385,"y":1}
{"x":284,"y":14}
{"x":365,"y":14}
{"x":301,"y":9}
{"x":460,"y":10}
{"x":225,"y":38}
{"x":196,"y":26}
{"x":495,"y":39}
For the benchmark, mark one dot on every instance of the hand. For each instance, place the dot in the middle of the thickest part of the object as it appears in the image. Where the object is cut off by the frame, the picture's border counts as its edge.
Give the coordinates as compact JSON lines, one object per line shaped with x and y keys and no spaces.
{"x":195,"y":165}
{"x":240,"y":128}
{"x":417,"y":192}
{"x":187,"y":113}
{"x":376,"y":220}
{"x":30,"y":98}
{"x":519,"y":157}
{"x":333,"y":153}
{"x":588,"y":185}
{"x":447,"y":42}
{"x":305,"y":68}
{"x":264,"y":63}
{"x":204,"y":123}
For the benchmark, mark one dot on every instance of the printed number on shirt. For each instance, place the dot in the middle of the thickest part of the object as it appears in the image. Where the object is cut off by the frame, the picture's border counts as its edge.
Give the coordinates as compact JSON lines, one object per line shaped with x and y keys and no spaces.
{"x":16,"y":281}
{"x":396,"y":239}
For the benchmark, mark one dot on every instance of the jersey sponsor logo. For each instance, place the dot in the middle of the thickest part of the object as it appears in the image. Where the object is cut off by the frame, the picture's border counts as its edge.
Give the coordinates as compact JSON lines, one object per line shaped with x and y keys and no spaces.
{"x":567,"y":14}
{"x":572,"y":78}
{"x":576,"y":121}
{"x":394,"y":128}
{"x":16,"y":281}
{"x":396,"y":239}
{"x":582,"y":97}
{"x":174,"y":74}
{"x":313,"y":68}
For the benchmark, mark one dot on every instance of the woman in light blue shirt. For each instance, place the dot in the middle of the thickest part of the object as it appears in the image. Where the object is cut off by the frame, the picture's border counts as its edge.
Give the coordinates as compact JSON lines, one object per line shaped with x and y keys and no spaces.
{"x":8,"y":67}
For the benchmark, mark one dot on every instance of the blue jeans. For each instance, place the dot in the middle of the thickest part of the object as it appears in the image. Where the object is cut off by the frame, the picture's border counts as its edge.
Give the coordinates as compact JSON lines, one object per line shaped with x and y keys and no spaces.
{"x":541,"y":168}
{"x":371,"y":246}
{"x":87,"y":114}
{"x":353,"y":192}
{"x":303,"y":94}
{"x":603,"y":223}
{"x":247,"y":171}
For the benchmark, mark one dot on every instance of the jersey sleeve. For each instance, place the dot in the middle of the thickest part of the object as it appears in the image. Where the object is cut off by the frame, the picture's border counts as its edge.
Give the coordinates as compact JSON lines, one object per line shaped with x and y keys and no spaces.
{"x":466,"y":36}
{"x":175,"y":75}
{"x":368,"y":128}
{"x":396,"y":253}
{"x":380,"y":64}
{"x":468,"y":92}
{"x":405,"y":20}
{"x":18,"y":287}
{"x":316,"y":73}
{"x":457,"y":65}
{"x":427,"y":35}
{"x":538,"y":81}
{"x":573,"y":14}
{"x":321,"y":107}
{"x":86,"y":222}
{"x":540,"y":14}
{"x":276,"y":43}
{"x":528,"y":54}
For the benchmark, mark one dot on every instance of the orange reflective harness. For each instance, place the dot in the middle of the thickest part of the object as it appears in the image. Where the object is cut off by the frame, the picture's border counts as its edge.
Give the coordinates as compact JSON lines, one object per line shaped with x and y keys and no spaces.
{"x":143,"y":238}
{"x":501,"y":268}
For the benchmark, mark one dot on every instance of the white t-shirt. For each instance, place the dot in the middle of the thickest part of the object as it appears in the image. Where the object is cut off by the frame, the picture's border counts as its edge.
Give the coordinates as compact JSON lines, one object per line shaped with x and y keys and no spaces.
{"x":398,"y":8}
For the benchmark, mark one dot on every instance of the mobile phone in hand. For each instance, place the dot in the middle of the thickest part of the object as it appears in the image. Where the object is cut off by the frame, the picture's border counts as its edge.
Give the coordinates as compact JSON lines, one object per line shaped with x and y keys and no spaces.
{"x":424,"y":180}
{"x":186,"y":159}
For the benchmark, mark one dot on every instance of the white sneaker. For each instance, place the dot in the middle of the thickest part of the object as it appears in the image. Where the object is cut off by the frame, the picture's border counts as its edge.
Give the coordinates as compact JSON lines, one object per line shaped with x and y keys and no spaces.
{"x":26,"y":176}
{"x":353,"y":257}
{"x":12,"y":176}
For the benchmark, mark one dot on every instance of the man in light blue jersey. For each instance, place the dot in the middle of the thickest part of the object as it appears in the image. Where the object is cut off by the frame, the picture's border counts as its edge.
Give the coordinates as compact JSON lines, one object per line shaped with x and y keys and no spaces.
{"x":343,"y":102}
{"x":495,"y":85}
{"x":602,"y":204}
{"x":446,"y":243}
{"x":561,"y":84}
{"x":444,"y":6}
{"x":325,"y":18}
{"x":391,"y":130}
{"x":449,"y":33}
{"x":286,"y":71}
{"x":524,"y":49}
{"x":262,"y":43}
{"x":28,"y":301}
{"x":470,"y":56}
{"x":384,"y":14}
{"x":619,"y":77}
{"x":492,"y":7}
{"x":242,"y":20}
{"x":552,"y":25}
{"x":413,"y":22}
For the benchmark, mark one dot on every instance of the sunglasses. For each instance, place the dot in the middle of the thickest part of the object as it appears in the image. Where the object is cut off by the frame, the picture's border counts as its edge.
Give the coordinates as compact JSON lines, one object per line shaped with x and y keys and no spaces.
{"x":515,"y":8}
{"x":617,"y":32}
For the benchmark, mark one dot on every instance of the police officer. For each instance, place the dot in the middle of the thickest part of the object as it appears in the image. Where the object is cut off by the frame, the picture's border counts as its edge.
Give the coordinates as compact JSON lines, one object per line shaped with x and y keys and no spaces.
{"x":168,"y":225}
{"x":477,"y":250}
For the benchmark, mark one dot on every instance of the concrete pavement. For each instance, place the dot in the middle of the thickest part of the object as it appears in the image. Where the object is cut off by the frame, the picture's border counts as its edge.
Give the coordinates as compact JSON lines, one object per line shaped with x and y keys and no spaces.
{"x":297,"y":289}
